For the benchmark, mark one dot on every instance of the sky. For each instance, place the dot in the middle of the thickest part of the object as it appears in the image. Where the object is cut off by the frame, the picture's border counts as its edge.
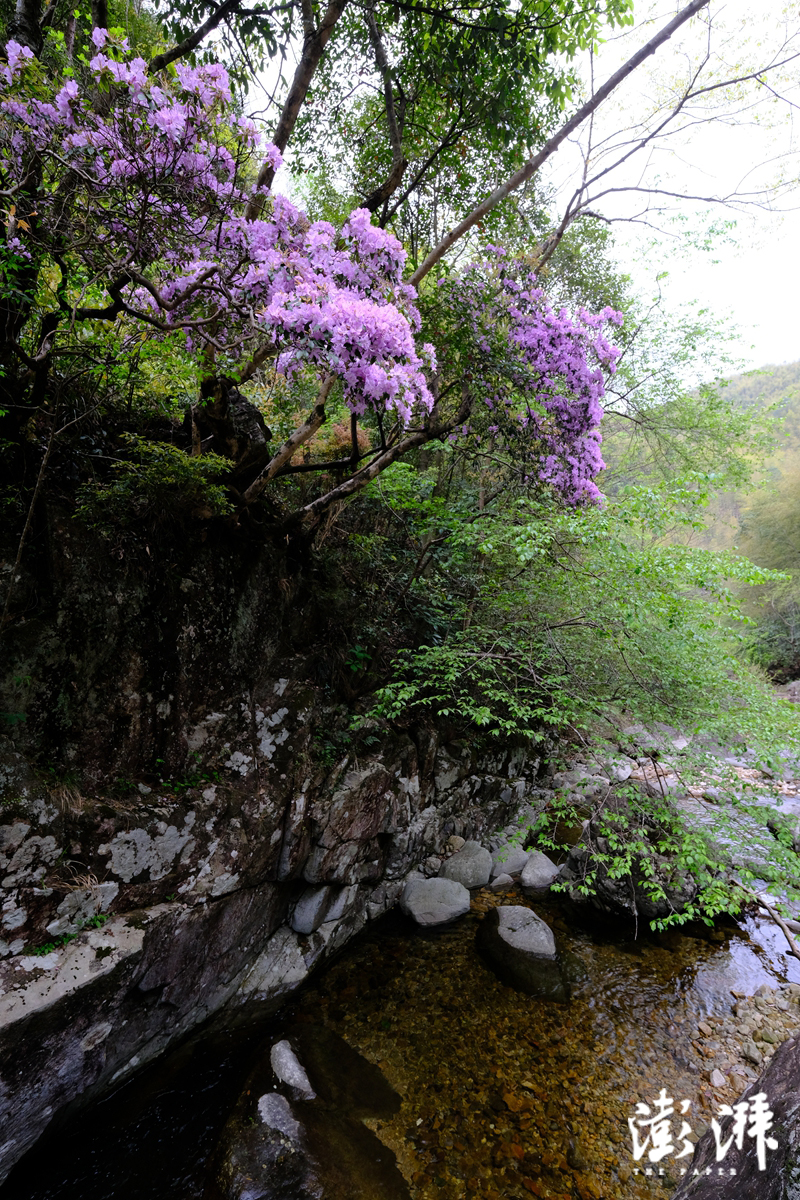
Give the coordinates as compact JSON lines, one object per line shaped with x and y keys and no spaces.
{"x":749,"y":275}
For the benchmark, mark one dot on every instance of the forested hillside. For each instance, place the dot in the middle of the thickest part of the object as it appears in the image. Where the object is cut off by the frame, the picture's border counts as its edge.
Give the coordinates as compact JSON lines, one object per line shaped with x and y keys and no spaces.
{"x":765,"y":523}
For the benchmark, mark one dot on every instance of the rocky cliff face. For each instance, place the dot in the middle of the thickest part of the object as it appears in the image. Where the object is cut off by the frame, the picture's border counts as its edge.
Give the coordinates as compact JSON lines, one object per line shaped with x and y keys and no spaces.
{"x":149,"y":916}
{"x":133,"y":908}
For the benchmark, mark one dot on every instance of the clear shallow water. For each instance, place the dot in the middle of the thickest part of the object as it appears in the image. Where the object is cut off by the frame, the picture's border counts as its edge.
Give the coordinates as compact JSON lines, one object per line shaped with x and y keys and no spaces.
{"x":504,"y":1096}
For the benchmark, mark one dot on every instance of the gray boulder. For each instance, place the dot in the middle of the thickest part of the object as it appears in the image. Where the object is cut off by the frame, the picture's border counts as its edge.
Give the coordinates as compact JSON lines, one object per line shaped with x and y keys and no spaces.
{"x":508,"y":859}
{"x":311,"y":909}
{"x":501,"y":883}
{"x":434,"y":901}
{"x":567,"y":780}
{"x":520,"y":949}
{"x":471,"y":866}
{"x":618,"y":769}
{"x":538,"y":874}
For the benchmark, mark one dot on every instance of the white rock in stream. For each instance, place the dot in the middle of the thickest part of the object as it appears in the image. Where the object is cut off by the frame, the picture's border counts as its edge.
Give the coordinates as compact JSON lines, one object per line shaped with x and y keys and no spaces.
{"x":274,"y":1110}
{"x":289,"y":1070}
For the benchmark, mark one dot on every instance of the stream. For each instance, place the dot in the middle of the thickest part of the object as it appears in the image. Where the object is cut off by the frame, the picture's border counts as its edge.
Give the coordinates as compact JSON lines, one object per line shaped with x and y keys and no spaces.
{"x":503,"y":1096}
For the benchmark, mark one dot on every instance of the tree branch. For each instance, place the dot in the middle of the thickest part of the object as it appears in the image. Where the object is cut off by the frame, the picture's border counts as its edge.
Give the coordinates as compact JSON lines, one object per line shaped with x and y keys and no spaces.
{"x":191,"y":42}
{"x":533,"y":164}
{"x":314,"y":45}
{"x":301,"y":435}
{"x":361,"y":478}
{"x":781,"y":925}
{"x":381,"y":194}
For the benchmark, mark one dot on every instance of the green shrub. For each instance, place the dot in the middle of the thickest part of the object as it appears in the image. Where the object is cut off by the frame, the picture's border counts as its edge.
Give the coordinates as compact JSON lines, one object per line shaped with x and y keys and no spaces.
{"x":157,"y":483}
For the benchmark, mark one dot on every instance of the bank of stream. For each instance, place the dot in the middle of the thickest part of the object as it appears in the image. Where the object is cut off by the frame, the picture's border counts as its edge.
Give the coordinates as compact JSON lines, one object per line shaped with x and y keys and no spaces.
{"x":503,"y":1096}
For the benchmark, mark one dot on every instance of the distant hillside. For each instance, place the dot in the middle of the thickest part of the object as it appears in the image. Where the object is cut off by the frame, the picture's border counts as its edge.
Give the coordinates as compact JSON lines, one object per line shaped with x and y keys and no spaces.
{"x":768,"y":387}
{"x":765,"y":523}
{"x":775,"y":388}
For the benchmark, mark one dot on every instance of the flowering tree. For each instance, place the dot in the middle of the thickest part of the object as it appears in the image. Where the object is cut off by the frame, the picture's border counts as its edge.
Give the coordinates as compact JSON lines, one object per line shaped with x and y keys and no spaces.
{"x":133,"y":196}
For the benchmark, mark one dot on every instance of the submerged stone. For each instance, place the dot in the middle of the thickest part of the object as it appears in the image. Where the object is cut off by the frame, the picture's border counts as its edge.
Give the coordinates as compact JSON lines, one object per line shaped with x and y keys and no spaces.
{"x":520,"y":949}
{"x":272,"y":1149}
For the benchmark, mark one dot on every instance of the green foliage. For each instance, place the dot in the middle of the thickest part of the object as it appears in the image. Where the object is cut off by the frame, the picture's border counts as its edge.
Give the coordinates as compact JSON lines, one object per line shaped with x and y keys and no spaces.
{"x":662,"y":857}
{"x":573,"y":616}
{"x":660,"y":423}
{"x":582,"y":271}
{"x":158,"y":483}
{"x":474,"y":90}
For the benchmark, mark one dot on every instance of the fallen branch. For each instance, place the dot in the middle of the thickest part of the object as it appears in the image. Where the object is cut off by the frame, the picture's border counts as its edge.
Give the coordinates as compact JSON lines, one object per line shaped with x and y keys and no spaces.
{"x":782,"y":924}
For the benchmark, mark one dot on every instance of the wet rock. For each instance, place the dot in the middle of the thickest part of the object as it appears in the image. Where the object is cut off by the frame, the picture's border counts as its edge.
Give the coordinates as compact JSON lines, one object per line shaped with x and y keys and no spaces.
{"x":435,"y":901}
{"x":625,"y":896}
{"x":343,"y":1079}
{"x":501,"y":883}
{"x":263,"y":1164}
{"x":290,"y":1071}
{"x":508,"y":859}
{"x":742,"y":1178}
{"x":471,"y":866}
{"x":521,"y":950}
{"x":538,"y":874}
{"x":272,"y":1149}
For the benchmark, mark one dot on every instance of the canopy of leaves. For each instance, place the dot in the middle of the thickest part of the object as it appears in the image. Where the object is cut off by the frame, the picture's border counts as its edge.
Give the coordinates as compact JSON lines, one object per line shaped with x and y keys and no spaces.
{"x":468,"y":90}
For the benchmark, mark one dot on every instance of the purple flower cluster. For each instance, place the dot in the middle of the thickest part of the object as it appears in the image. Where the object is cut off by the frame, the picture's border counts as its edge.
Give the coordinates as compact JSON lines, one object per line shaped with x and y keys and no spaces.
{"x":541,"y":373}
{"x":162,"y":200}
{"x":154,"y":217}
